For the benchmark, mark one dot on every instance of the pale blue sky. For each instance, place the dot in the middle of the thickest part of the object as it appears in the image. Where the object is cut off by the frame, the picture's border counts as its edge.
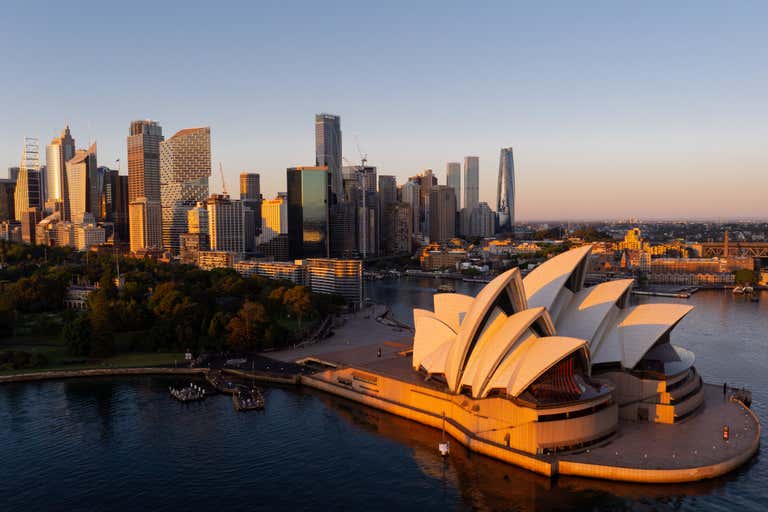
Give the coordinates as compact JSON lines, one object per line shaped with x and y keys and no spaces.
{"x":614,"y":109}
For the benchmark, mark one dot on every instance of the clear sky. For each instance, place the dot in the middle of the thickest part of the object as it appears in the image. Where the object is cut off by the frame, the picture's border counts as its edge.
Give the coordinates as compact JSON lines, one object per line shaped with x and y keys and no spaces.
{"x":615,"y":109}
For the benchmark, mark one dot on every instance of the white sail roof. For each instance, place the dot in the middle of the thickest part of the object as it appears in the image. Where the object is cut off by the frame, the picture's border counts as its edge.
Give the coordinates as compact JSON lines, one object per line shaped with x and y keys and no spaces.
{"x":452,"y":307}
{"x":536,"y":357}
{"x":545,"y":282}
{"x":636,"y":331}
{"x":502,"y":344}
{"x":431,"y":332}
{"x":589,"y":308}
{"x":510,"y":283}
{"x":515,"y":329}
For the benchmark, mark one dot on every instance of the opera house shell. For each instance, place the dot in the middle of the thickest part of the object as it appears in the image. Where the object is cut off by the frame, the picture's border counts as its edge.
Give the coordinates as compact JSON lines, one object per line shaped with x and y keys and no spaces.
{"x":540,"y":367}
{"x":547,"y":339}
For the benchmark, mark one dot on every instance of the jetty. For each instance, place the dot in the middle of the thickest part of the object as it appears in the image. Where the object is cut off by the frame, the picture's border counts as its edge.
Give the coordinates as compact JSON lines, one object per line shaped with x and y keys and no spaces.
{"x":248,"y":399}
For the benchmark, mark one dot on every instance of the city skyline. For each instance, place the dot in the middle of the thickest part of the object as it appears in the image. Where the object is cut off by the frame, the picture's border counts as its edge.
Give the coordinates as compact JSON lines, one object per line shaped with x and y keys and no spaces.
{"x":606,"y":121}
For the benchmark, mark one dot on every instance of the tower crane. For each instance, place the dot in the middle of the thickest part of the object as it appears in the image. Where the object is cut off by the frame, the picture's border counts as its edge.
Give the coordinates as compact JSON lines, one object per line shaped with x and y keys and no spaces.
{"x":223,"y":181}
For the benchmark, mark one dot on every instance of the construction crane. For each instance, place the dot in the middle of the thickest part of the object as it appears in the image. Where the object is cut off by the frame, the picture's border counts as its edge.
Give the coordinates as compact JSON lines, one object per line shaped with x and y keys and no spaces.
{"x":223,"y":181}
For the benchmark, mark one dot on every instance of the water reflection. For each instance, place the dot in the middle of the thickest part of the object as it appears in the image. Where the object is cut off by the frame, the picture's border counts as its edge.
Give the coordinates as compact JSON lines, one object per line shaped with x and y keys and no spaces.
{"x":487,"y":484}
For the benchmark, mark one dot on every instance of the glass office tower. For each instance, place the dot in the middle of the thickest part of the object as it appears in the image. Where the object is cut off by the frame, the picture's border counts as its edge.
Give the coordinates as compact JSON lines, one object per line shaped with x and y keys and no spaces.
{"x":308,"y":212}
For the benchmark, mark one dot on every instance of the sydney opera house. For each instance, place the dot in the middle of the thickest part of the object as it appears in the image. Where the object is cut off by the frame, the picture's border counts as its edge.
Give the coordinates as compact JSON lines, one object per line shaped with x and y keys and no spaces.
{"x":557,"y":377}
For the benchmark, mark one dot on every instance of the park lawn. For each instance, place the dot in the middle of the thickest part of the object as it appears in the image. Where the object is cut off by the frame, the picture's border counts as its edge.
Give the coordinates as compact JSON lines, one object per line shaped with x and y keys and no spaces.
{"x":60,"y":360}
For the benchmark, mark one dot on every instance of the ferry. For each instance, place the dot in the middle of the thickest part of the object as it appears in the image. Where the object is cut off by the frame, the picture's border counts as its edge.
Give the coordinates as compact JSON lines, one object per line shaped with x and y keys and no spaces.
{"x":445,"y":288}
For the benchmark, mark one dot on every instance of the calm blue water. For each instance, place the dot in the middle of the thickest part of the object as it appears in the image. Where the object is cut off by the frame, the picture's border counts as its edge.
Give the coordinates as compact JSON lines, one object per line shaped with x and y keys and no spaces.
{"x":122,"y":444}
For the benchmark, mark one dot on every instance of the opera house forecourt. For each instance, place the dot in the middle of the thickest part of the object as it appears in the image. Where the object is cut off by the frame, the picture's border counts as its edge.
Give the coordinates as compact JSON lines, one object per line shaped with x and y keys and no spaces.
{"x":556,"y":377}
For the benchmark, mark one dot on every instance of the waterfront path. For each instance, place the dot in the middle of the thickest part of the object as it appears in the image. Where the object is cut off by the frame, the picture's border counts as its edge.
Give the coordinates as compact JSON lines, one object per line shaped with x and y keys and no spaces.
{"x":689,"y":450}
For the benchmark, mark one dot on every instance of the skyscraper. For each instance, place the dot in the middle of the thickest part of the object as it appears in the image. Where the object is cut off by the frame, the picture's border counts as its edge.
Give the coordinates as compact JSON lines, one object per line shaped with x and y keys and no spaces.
{"x":115,"y":203}
{"x":225,"y":224}
{"x":442,"y":211}
{"x":328,"y":150}
{"x":387,"y":190}
{"x":250,"y":186}
{"x":273,"y":239}
{"x":250,"y":195}
{"x":145,"y":221}
{"x":426,"y":180}
{"x":144,"y":185}
{"x":308,"y":225}
{"x":398,"y":232}
{"x":453,"y":179}
{"x":82,"y":187}
{"x":28,"y":193}
{"x":505,"y":193}
{"x":411,"y":195}
{"x":144,"y":160}
{"x":471,"y":182}
{"x":185,"y":166}
{"x":60,"y":151}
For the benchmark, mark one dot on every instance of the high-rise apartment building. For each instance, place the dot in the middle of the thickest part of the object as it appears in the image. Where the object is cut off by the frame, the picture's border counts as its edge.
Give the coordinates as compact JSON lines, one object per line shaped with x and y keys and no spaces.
{"x":442,"y":211}
{"x":225,"y":224}
{"x":453,"y":179}
{"x":308,"y":223}
{"x":82,"y":185}
{"x":145,"y":221}
{"x":398,"y":232}
{"x":328,"y":150}
{"x":505,"y":193}
{"x":471,"y":182}
{"x":60,"y":151}
{"x":338,"y":277}
{"x":185,"y":166}
{"x":144,"y":160}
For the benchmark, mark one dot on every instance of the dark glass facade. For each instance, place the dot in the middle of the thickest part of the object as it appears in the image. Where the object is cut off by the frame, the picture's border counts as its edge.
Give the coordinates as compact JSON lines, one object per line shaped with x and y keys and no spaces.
{"x":308,"y":212}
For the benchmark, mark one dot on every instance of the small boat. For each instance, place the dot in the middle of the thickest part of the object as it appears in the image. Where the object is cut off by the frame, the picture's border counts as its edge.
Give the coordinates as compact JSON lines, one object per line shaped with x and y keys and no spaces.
{"x":443,"y":447}
{"x":445,"y":288}
{"x":187,"y":394}
{"x":739,"y":290}
{"x":748,"y":289}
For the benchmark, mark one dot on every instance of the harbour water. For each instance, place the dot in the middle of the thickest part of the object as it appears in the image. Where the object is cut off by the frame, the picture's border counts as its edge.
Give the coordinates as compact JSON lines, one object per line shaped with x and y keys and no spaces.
{"x":123,"y":444}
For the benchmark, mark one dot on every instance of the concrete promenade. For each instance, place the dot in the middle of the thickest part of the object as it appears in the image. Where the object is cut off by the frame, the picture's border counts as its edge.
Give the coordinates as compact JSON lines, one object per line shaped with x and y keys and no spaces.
{"x":360,"y":329}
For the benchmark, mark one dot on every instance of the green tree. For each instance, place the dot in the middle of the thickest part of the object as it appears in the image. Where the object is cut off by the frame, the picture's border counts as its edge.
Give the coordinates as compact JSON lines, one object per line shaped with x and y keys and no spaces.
{"x":299,"y":301}
{"x":246,"y":330}
{"x":77,"y":335}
